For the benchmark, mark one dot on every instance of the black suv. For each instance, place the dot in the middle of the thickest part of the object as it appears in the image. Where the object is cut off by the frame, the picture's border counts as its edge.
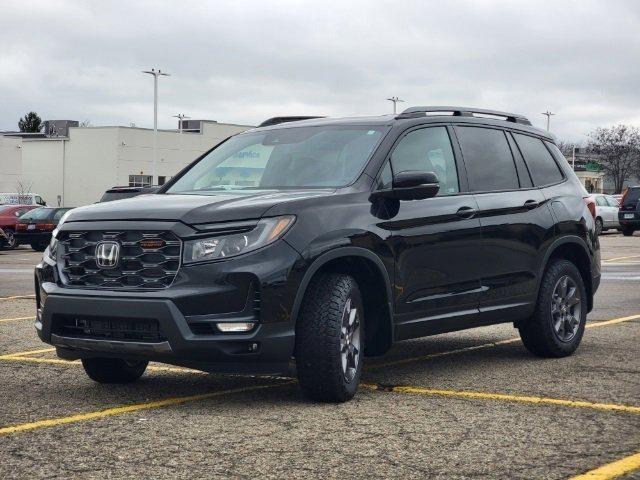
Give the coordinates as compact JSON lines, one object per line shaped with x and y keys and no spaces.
{"x":629,"y":213}
{"x":324,"y":241}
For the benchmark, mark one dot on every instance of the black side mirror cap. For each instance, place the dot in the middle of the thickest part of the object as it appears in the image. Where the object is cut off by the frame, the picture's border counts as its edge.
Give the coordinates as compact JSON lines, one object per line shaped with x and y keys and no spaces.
{"x":411,"y":185}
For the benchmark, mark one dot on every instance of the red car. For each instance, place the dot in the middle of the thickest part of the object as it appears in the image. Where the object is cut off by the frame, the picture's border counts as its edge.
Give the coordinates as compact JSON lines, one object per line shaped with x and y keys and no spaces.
{"x":9,"y":219}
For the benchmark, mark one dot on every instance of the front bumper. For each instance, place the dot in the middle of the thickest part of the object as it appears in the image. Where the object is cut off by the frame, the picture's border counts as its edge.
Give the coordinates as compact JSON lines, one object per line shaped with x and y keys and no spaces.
{"x":186,"y":314}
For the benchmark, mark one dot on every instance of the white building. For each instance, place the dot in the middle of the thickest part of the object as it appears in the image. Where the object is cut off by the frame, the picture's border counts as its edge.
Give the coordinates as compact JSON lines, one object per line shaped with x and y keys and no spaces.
{"x":76,"y":170}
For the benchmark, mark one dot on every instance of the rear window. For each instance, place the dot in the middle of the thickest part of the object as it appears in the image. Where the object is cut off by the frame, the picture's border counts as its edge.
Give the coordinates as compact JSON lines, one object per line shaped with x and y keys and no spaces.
{"x":543,"y":168}
{"x":633,"y":196}
{"x":37,"y":214}
{"x":488,"y":159}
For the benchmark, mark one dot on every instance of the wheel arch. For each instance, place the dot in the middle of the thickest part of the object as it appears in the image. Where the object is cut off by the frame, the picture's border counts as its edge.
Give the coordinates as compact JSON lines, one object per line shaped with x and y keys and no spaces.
{"x":575,"y":250}
{"x":373,"y":279}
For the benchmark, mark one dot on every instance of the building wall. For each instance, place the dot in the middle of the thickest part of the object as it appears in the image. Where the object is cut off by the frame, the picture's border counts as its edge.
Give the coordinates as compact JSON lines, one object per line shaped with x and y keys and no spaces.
{"x":91,"y":160}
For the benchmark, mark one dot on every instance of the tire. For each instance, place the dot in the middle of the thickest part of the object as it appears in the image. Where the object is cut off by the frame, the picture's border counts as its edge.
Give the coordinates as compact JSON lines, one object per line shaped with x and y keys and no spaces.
{"x":39,"y":247}
{"x":540,"y":334}
{"x":627,"y":232}
{"x":12,"y":242}
{"x":113,"y":370}
{"x":599,"y":226}
{"x":330,"y":339}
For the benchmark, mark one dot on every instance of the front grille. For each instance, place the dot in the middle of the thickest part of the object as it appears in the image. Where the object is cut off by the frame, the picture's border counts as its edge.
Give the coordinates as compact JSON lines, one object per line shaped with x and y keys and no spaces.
{"x":148,"y":259}
{"x":103,"y":328}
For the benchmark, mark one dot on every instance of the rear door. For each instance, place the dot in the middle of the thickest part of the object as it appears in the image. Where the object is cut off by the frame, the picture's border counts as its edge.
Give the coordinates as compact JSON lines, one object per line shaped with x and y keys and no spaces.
{"x":434,"y":241}
{"x":515,"y":221}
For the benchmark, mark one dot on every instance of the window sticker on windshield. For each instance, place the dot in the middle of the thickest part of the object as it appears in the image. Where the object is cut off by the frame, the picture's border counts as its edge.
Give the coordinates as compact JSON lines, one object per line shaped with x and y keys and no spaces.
{"x":371,"y":132}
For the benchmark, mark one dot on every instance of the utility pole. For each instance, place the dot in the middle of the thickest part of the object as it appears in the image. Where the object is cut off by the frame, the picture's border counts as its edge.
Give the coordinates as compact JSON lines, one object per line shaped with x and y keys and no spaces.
{"x":180,"y":117}
{"x":156,"y":74}
{"x":573,"y":159}
{"x":548,"y":115}
{"x":395,"y":101}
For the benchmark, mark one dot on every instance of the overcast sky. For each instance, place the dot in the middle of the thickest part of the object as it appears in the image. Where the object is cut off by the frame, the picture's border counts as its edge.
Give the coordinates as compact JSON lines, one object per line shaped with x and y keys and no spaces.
{"x":241,"y":62}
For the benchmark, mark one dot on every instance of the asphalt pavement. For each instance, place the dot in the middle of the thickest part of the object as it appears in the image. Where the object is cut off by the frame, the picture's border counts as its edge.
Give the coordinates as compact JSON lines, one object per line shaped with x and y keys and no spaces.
{"x":472,"y":404}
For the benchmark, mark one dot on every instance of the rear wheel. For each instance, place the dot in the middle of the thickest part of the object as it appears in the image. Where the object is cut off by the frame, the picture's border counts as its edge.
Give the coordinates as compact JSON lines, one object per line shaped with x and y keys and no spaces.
{"x":599,"y":226}
{"x":113,"y":370}
{"x":39,"y":247}
{"x":627,"y":232}
{"x":557,"y":326}
{"x":330,"y":339}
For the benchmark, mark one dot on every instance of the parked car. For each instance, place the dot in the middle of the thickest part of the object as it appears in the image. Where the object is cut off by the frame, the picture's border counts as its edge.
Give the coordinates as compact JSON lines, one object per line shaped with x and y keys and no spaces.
{"x":36,"y":226}
{"x":629,"y":214}
{"x":8,"y":220}
{"x":118,"y":193}
{"x":326,"y":240}
{"x":22,"y":199}
{"x":606,"y":212}
{"x":618,"y":198}
{"x":3,"y":239}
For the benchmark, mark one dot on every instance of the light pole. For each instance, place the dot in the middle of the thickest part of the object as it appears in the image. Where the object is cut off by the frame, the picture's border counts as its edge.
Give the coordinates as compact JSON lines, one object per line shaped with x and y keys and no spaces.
{"x":156,"y":74}
{"x":180,"y":117}
{"x":548,"y":115}
{"x":395,"y":101}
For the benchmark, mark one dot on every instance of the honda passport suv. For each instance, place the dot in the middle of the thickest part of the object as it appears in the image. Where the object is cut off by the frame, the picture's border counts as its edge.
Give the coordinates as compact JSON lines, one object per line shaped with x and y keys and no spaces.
{"x":325,"y":241}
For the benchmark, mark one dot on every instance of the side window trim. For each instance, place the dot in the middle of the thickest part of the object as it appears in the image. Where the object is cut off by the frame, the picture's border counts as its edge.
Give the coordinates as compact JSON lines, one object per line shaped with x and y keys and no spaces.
{"x":504,"y":132}
{"x":521,"y":166}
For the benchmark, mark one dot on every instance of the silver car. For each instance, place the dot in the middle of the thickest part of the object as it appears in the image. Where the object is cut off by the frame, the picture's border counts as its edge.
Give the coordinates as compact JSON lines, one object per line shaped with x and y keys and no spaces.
{"x":606,"y":212}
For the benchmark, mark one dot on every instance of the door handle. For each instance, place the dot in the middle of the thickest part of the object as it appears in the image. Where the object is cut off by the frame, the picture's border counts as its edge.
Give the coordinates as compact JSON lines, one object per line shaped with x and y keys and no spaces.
{"x":531,"y":204}
{"x":466,"y":212}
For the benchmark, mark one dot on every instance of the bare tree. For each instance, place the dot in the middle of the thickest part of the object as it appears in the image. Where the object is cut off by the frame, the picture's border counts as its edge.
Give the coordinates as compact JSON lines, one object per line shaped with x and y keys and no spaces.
{"x":567,"y":148}
{"x":618,"y":150}
{"x":85,"y":123}
{"x":23,"y":187}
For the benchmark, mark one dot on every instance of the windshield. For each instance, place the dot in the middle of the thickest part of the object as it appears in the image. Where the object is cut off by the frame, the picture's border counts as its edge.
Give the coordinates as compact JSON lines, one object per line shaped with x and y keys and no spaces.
{"x":328,"y":156}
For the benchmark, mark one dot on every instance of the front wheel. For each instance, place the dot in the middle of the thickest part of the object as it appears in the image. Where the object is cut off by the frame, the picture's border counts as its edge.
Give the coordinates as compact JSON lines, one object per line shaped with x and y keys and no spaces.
{"x":113,"y":370}
{"x":12,"y":241}
{"x":599,"y":226}
{"x":330,"y":339}
{"x":557,"y":326}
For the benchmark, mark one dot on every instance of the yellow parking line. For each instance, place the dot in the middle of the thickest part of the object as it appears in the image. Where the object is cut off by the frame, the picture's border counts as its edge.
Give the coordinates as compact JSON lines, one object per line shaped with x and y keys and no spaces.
{"x":15,"y":319}
{"x":506,"y":398}
{"x":486,"y":345}
{"x":28,"y":352}
{"x":17,"y":297}
{"x":82,"y":417}
{"x":53,"y":361}
{"x":620,"y":258}
{"x":612,"y":470}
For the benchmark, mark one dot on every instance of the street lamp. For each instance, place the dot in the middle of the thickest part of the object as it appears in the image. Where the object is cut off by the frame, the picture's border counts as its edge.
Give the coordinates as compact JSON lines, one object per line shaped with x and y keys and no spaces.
{"x":395,"y":101}
{"x":548,"y":115}
{"x":180,"y":117}
{"x":156,"y":74}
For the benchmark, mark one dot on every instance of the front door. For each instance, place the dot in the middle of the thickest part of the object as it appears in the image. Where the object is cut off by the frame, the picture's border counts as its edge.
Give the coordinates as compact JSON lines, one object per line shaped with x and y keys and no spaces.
{"x":434,"y":241}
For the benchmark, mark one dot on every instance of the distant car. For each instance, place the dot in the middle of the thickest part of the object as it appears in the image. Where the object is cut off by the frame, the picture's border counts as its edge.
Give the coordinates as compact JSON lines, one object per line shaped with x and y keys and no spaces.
{"x":606,"y":212}
{"x":629,"y":214}
{"x":13,"y":198}
{"x":35,"y":227}
{"x":9,"y":215}
{"x":118,"y":193}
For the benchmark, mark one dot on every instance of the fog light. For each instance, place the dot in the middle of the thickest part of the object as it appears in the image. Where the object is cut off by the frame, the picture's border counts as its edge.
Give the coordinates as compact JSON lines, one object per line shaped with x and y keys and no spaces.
{"x":230,"y":327}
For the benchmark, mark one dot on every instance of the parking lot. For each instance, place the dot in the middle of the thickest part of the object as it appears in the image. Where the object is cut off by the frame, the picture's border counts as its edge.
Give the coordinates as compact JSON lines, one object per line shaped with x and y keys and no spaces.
{"x":460,"y":405}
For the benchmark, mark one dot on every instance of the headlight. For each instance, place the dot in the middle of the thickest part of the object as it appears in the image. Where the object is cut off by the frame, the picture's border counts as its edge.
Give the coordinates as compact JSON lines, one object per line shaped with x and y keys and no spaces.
{"x":52,"y":251}
{"x":267,"y":231}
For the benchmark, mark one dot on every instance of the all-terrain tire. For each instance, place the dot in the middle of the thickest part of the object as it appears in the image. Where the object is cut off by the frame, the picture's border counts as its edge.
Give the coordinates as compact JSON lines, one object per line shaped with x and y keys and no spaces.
{"x":320,"y":339}
{"x":113,"y":370}
{"x":538,"y":333}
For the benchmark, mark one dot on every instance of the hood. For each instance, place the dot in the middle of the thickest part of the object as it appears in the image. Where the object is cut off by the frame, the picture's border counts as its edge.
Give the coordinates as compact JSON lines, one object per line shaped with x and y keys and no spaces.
{"x":193,"y":209}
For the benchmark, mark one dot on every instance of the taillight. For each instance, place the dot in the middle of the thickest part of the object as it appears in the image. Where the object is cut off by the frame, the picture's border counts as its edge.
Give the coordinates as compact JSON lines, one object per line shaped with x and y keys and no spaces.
{"x":591,"y":205}
{"x":45,"y":227}
{"x":624,"y":196}
{"x":21,"y":226}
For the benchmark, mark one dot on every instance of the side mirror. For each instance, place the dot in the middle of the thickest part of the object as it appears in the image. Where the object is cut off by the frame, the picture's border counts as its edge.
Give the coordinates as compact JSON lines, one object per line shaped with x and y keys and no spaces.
{"x":412,"y":185}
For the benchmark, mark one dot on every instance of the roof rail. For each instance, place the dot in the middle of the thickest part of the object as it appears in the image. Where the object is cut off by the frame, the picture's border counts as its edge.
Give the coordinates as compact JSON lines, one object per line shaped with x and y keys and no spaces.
{"x":463,"y":112}
{"x":277,"y":120}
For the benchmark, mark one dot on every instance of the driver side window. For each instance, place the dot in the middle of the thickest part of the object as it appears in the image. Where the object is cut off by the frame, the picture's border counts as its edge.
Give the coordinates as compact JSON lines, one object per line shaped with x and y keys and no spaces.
{"x":428,"y":150}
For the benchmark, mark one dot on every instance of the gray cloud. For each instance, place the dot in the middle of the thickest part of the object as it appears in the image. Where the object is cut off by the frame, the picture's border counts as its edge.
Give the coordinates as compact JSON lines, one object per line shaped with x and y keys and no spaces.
{"x":241,"y":62}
